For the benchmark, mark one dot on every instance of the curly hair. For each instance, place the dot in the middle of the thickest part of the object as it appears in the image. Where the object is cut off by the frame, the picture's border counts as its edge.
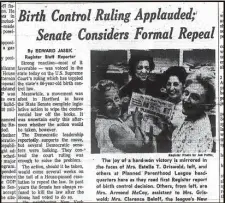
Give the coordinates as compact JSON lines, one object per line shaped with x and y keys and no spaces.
{"x":98,"y":94}
{"x":140,"y":56}
{"x":178,"y":71}
{"x":206,"y":78}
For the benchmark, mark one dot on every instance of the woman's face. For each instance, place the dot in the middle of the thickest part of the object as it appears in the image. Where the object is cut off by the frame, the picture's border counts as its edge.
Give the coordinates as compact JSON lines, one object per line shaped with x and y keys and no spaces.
{"x":112,"y":103}
{"x":174,"y":88}
{"x":194,"y":100}
{"x":142,"y":70}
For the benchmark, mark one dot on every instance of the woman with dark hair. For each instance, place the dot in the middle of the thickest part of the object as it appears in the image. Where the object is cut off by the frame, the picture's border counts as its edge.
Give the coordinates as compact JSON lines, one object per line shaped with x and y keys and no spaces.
{"x":174,"y":78}
{"x":194,"y":135}
{"x":141,"y":64}
{"x":113,"y":135}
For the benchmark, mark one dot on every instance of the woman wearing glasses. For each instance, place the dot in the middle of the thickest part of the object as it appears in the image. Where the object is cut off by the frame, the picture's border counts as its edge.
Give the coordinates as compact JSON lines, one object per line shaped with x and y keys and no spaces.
{"x":113,"y":135}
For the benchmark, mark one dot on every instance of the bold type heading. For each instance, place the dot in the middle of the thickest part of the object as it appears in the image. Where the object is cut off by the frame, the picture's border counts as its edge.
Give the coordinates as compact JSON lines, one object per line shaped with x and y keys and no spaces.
{"x":115,"y":15}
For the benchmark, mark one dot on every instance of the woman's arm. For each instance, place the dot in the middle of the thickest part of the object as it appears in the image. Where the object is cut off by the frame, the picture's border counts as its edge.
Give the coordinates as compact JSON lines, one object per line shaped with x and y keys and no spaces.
{"x":125,"y":141}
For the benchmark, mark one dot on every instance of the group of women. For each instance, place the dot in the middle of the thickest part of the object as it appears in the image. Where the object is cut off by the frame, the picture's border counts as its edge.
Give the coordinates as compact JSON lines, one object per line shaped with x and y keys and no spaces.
{"x":189,"y":130}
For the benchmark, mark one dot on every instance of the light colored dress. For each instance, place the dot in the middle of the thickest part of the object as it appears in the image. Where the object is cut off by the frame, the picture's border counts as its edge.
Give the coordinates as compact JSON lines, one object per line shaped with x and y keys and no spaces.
{"x":102,"y":126}
{"x":193,"y":136}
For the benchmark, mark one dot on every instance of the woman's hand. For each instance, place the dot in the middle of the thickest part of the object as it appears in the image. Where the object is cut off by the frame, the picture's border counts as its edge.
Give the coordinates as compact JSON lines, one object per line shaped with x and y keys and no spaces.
{"x":125,"y":101}
{"x":162,"y":123}
{"x":137,"y":116}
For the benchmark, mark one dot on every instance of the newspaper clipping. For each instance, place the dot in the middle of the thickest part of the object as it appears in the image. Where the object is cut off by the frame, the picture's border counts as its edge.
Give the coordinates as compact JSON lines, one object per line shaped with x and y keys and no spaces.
{"x":112,"y":102}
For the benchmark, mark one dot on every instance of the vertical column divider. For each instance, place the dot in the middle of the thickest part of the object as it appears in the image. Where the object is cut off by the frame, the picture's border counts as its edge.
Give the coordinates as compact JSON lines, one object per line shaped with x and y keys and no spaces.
{"x":218,"y":52}
{"x":16,"y":107}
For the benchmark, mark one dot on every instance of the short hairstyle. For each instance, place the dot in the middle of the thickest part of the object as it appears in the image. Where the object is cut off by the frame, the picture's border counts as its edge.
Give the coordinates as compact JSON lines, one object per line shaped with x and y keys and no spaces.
{"x":140,"y":56}
{"x":178,"y":71}
{"x":98,"y":94}
{"x":206,"y":78}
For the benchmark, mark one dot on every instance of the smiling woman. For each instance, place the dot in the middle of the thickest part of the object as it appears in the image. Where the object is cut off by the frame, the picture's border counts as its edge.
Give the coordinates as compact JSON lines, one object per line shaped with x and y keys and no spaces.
{"x":141,"y":65}
{"x":112,"y":134}
{"x":174,"y":78}
{"x":194,"y":135}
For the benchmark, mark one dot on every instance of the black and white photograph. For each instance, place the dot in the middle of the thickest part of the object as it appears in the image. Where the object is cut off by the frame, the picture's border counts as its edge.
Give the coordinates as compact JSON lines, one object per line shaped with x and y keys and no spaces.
{"x":112,"y":101}
{"x":153,"y":101}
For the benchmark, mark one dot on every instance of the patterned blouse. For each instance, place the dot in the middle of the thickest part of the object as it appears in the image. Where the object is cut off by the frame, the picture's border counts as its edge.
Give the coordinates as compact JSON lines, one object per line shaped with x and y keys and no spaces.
{"x":178,"y":116}
{"x":193,"y":137}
